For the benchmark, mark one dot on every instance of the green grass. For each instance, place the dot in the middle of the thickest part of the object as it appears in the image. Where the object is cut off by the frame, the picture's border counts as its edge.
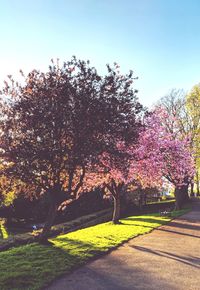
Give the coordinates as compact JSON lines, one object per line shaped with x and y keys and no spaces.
{"x":162,"y":201}
{"x":3,"y":231}
{"x":34,"y":266}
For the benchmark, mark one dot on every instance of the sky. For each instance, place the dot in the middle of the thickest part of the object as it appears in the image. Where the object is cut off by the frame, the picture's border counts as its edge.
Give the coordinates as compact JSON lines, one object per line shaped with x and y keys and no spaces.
{"x":158,"y":39}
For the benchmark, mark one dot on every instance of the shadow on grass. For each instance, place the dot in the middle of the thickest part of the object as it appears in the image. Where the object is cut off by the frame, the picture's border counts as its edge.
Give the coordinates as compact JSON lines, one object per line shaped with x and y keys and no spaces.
{"x":114,"y":273}
{"x":173,"y":224}
{"x":117,"y":273}
{"x":152,"y":220}
{"x":35,"y":266}
{"x":39,"y":265}
{"x":66,"y":244}
{"x":186,"y":224}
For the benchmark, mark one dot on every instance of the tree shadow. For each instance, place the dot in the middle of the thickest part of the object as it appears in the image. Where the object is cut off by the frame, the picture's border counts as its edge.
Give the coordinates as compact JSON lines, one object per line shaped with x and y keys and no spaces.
{"x":115,"y":272}
{"x":165,"y":229}
{"x":179,"y":222}
{"x":40,"y":259}
{"x":78,"y":249}
{"x":178,"y":233}
{"x":147,"y":220}
{"x":193,"y":261}
{"x":188,"y":225}
{"x":80,"y":252}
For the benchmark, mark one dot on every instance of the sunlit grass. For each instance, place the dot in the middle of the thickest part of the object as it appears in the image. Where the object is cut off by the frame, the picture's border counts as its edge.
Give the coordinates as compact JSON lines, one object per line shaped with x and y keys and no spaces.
{"x":34,"y":266}
{"x":3,"y":232}
{"x":162,"y":201}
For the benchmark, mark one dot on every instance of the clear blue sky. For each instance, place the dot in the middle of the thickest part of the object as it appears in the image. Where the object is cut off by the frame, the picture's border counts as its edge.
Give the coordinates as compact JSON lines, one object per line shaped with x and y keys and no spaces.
{"x":158,"y":39}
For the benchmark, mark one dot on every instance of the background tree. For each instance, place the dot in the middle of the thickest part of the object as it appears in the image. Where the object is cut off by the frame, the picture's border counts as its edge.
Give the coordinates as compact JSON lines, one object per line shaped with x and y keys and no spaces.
{"x":174,"y":104}
{"x":184,"y":121}
{"x":193,"y":109}
{"x":162,"y":155}
{"x":55,"y":125}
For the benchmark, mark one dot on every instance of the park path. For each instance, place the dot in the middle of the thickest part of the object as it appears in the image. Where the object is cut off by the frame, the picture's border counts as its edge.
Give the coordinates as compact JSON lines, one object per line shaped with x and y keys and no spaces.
{"x":166,"y":259}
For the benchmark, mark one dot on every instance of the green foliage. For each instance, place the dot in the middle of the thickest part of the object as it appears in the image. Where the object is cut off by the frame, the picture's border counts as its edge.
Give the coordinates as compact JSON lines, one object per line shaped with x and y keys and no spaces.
{"x":8,"y":189}
{"x":34,"y":266}
{"x":3,"y":231}
{"x":193,"y":108}
{"x":9,"y":198}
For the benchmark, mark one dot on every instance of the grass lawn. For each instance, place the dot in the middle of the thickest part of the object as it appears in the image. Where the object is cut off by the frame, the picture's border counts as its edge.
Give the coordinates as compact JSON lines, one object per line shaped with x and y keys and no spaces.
{"x":34,"y":266}
{"x":162,"y":201}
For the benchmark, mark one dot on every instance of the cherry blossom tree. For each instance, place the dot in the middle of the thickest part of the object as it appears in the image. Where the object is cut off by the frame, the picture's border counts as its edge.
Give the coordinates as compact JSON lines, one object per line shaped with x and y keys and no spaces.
{"x":162,"y":155}
{"x":156,"y":158}
{"x":184,"y":119}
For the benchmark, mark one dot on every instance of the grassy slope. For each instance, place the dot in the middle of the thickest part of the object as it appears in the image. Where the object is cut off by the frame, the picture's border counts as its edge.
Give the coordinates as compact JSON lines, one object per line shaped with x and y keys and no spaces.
{"x":33,"y":266}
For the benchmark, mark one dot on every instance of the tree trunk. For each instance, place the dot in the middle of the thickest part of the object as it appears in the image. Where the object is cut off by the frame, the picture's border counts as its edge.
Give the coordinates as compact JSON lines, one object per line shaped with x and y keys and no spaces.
{"x":197,"y":178}
{"x":181,"y":196}
{"x":141,"y":199}
{"x":178,"y":202}
{"x":145,"y":199}
{"x":192,"y":189}
{"x":50,"y":219}
{"x":116,"y":212}
{"x":184,"y":193}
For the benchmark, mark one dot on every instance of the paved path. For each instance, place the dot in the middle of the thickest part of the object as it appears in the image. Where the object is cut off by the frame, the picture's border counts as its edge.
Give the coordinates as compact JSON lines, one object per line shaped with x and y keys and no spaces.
{"x":166,"y":259}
